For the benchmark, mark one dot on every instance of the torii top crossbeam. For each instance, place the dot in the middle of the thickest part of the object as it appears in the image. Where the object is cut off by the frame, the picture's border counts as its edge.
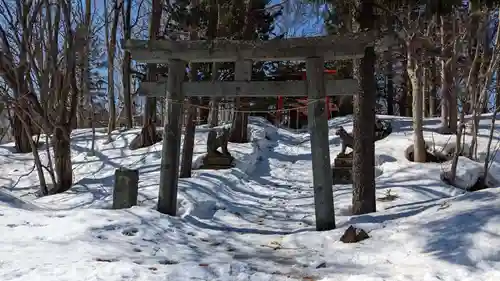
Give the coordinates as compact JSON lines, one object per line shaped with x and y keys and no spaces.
{"x":334,"y":47}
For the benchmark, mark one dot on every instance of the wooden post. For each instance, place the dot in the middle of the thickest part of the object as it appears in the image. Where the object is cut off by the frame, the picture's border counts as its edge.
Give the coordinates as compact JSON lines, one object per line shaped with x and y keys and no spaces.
{"x":169,"y":170}
{"x":125,"y":188}
{"x":318,"y":127}
{"x":242,"y":73}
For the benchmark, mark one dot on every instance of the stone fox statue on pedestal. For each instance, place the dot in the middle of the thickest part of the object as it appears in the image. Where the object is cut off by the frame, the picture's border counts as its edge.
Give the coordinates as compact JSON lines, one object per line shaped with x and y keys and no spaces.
{"x":220,"y":140}
{"x":346,"y":139}
{"x":382,"y":130}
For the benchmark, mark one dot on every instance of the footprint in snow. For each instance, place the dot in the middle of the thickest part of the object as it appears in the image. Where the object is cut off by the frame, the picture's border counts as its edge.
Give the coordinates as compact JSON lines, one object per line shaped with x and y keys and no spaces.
{"x":130,"y":231}
{"x":102,"y":237}
{"x":56,"y":216}
{"x":167,"y":262}
{"x":109,"y":227}
{"x":106,"y":259}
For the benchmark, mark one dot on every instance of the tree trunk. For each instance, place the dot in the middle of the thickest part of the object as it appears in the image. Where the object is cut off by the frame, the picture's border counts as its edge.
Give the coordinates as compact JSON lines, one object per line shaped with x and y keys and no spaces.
{"x":446,"y":91}
{"x":83,"y":116}
{"x":363,"y":200}
{"x":497,"y":99}
{"x":482,"y":99}
{"x":127,"y":95}
{"x":148,"y":135}
{"x":190,"y":127}
{"x":474,"y":87}
{"x":62,"y":160}
{"x":18,"y":76}
{"x":62,"y":149}
{"x":487,"y":160}
{"x":415,"y":75}
{"x":38,"y":163}
{"x":404,"y":108}
{"x":189,"y":136}
{"x":458,"y":149}
{"x":433,"y":89}
{"x":92,"y":124}
{"x":451,"y":77}
{"x":488,"y":76}
{"x":390,"y":82}
{"x":21,"y":139}
{"x":409,"y":98}
{"x":487,"y":54}
{"x":150,"y":110}
{"x":425,"y":93}
{"x":111,"y":46}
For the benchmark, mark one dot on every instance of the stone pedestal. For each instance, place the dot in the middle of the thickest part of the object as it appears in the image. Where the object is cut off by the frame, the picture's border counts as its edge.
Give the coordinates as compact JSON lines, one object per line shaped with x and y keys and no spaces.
{"x":217,"y":162}
{"x":126,"y":188}
{"x":342,"y":169}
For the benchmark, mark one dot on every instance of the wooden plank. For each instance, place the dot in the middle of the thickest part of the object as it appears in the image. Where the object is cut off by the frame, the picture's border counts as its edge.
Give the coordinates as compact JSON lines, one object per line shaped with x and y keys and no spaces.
{"x":318,"y":128}
{"x":333,"y":47}
{"x":226,"y":89}
{"x":169,"y":169}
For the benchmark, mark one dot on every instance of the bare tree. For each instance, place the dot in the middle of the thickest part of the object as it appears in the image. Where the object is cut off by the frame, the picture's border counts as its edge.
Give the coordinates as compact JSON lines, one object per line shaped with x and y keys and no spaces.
{"x":363,"y":200}
{"x":14,"y":64}
{"x":414,"y":69}
{"x":126,"y":65}
{"x":111,"y":33}
{"x":39,"y":53}
{"x":492,"y":65}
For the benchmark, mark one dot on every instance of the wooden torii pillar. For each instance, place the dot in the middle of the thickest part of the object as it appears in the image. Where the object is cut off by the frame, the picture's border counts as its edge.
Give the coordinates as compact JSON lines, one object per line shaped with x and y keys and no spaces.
{"x":314,"y":50}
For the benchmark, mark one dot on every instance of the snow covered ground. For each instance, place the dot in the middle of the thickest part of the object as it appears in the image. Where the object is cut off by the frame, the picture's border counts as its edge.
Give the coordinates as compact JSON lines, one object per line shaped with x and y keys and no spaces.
{"x":252,"y":222}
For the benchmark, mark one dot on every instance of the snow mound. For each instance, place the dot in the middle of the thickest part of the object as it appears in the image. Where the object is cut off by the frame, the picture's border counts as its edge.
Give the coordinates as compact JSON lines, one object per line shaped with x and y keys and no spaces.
{"x":469,"y":172}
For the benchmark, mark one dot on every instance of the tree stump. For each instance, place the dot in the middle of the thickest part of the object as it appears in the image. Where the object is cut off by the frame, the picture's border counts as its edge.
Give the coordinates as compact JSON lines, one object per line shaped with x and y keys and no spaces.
{"x":342,"y":169}
{"x":148,"y":137}
{"x":125,"y":188}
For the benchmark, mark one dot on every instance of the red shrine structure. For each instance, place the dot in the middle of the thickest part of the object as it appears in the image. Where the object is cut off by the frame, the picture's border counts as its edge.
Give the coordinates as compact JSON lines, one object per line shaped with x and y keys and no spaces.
{"x":296,"y":108}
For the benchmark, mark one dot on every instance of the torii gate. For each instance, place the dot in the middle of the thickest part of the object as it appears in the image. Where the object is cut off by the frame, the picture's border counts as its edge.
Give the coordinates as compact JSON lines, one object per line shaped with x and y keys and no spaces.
{"x":314,"y":50}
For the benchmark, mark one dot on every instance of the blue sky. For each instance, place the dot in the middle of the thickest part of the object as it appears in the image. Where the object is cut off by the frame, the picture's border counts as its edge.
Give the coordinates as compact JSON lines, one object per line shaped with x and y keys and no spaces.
{"x":304,"y":22}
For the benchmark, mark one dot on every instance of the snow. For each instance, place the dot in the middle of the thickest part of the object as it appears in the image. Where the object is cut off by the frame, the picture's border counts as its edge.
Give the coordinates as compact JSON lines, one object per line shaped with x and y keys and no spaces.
{"x":252,"y":222}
